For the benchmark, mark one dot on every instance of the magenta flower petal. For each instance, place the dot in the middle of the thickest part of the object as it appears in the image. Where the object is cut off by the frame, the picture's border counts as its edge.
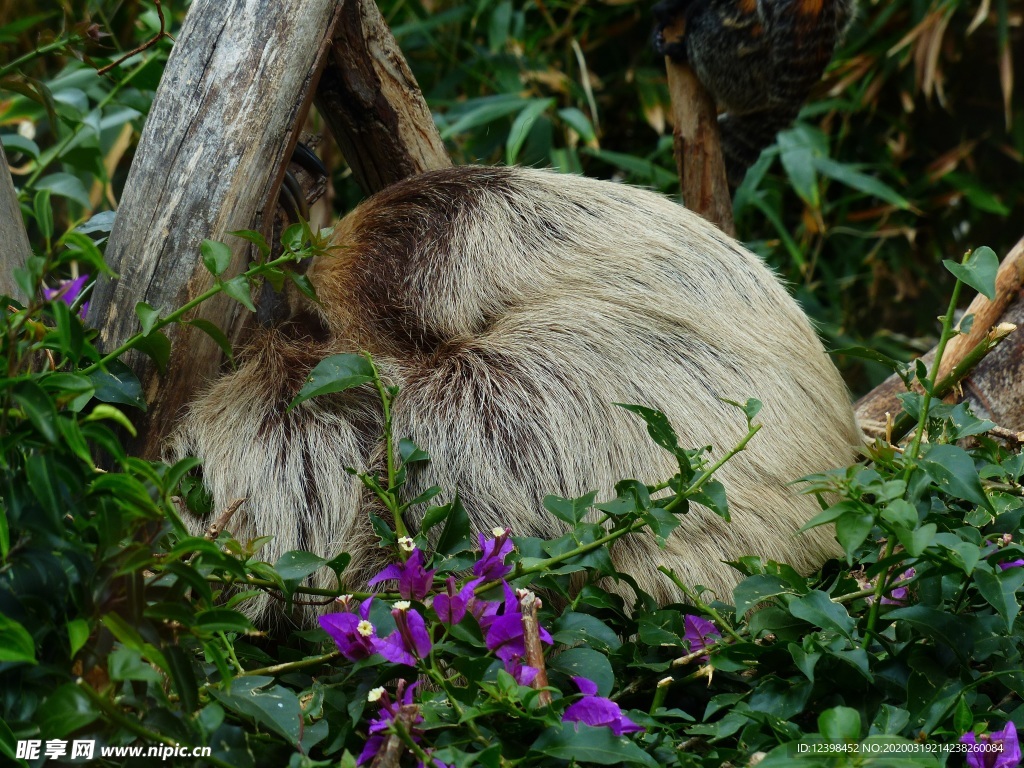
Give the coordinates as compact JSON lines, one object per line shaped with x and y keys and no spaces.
{"x":598,"y":711}
{"x":491,"y":565}
{"x":450,"y":605}
{"x":353,"y":634}
{"x":409,"y":641}
{"x":587,"y":687}
{"x":999,"y":749}
{"x":385,"y":716}
{"x":68,"y":291}
{"x":700,"y":633}
{"x":414,"y":581}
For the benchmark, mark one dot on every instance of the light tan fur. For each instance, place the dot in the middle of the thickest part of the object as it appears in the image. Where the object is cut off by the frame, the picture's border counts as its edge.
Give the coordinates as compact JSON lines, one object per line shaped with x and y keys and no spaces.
{"x":513,"y":307}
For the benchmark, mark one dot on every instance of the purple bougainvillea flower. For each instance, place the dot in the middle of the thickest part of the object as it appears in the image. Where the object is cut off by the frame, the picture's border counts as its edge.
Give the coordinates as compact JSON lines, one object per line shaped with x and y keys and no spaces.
{"x":1012,"y":564}
{"x":999,"y":749}
{"x":900,"y":595}
{"x":68,"y":291}
{"x":523,"y":674}
{"x":414,"y":581}
{"x":353,"y":633}
{"x":450,"y":605}
{"x":386,"y":715}
{"x":700,"y":633}
{"x":503,"y":628}
{"x":410,"y":641}
{"x":597,"y":710}
{"x":491,"y":565}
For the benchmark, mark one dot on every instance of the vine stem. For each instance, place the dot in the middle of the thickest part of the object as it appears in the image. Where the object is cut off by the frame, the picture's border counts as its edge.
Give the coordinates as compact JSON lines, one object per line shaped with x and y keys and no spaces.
{"x":929,"y":390}
{"x":177,"y":314}
{"x":706,"y":475}
{"x":42,"y":50}
{"x":880,"y":589}
{"x":389,"y":497}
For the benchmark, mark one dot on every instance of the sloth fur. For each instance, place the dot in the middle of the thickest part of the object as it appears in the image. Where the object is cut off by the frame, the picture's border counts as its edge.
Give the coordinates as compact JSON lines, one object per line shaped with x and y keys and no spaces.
{"x":513,"y":308}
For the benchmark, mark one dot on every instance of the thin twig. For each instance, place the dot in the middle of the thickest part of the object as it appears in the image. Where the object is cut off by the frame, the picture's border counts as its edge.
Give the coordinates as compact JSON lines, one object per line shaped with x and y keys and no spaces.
{"x":139,"y":49}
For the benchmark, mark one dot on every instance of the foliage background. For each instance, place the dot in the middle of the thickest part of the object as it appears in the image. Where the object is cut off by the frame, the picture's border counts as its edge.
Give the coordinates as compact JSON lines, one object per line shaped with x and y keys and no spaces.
{"x":922,"y":99}
{"x":912,"y":153}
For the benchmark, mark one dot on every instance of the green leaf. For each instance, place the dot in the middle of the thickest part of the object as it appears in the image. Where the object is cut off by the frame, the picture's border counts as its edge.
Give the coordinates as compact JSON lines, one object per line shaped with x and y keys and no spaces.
{"x":104,"y":412}
{"x":304,"y":285}
{"x":276,"y":707}
{"x":148,"y":317}
{"x":658,"y":427}
{"x":757,"y":589}
{"x":572,"y":628}
{"x":817,"y":608}
{"x":588,"y":663}
{"x":16,"y":644}
{"x":852,"y":529}
{"x":874,"y":355}
{"x":65,"y":185}
{"x":952,"y":470}
{"x":78,"y":634}
{"x":223,"y":620}
{"x":157,"y":347}
{"x":917,"y":540}
{"x":978,"y":271}
{"x":255,"y":238}
{"x":862,"y":182}
{"x":238,"y":289}
{"x":799,"y":162}
{"x":571,"y":511}
{"x":64,"y":711}
{"x":484,"y":110}
{"x":183,"y":677}
{"x":457,"y":535}
{"x":579,"y":122}
{"x":217,"y":335}
{"x":712,"y":496}
{"x":38,"y":408}
{"x":901,"y":512}
{"x":118,"y":384}
{"x":128,"y":664}
{"x":952,"y":631}
{"x":335,"y":374}
{"x":840,"y":724}
{"x":44,"y":213}
{"x":522,"y":125}
{"x":582,"y":744}
{"x":296,"y":565}
{"x":216,"y":256}
{"x":1000,"y":591}
{"x":41,"y":472}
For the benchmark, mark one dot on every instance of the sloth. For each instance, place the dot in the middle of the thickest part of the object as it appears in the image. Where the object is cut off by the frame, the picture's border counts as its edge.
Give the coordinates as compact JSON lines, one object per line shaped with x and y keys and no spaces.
{"x":513,"y":308}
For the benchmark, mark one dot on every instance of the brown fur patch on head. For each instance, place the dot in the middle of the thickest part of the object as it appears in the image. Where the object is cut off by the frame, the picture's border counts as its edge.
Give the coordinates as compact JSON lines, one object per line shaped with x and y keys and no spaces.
{"x":393,"y":245}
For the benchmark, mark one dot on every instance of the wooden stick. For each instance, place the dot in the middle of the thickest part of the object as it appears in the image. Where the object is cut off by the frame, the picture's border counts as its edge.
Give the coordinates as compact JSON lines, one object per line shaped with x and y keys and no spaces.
{"x":528,"y":604}
{"x":210,"y":160}
{"x":13,"y":238}
{"x":995,"y":388}
{"x":698,"y":146}
{"x":372,"y":105}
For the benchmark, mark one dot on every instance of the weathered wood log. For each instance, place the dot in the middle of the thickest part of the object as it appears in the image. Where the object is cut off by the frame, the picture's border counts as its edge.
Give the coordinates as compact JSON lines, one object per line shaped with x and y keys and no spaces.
{"x":995,"y":388}
{"x":210,"y":160}
{"x":697,"y":143}
{"x":14,"y":246}
{"x":372,"y":104}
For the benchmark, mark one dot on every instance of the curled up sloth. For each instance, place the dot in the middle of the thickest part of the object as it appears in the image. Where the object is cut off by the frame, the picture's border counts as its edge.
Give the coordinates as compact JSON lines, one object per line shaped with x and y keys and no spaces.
{"x":513,"y":308}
